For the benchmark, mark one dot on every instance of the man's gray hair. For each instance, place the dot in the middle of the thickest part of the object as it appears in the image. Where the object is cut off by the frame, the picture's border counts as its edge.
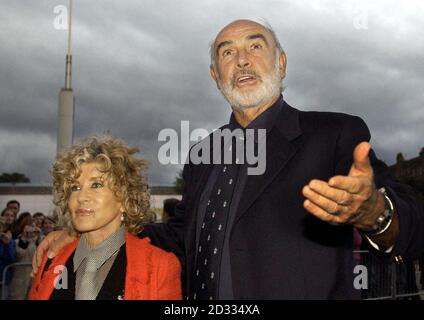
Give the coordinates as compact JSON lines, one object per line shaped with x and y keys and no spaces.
{"x":267,"y":26}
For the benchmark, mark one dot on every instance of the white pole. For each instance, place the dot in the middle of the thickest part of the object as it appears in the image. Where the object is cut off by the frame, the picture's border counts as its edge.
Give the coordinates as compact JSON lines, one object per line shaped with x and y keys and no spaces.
{"x":65,"y":120}
{"x":69,"y":27}
{"x":68,"y":72}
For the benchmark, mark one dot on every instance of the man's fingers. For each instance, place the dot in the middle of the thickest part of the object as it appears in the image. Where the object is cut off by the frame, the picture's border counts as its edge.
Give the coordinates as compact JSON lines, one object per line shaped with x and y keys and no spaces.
{"x":34,"y":265}
{"x":43,"y":247}
{"x":352,"y":185}
{"x":38,"y":256}
{"x":63,"y":238}
{"x":343,"y":198}
{"x":320,"y":213}
{"x":326,"y":204}
{"x":361,"y":162}
{"x":338,"y":195}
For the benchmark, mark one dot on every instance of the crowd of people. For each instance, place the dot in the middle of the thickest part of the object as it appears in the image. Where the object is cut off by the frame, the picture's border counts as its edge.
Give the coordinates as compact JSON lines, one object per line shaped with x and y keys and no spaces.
{"x":20,"y":234}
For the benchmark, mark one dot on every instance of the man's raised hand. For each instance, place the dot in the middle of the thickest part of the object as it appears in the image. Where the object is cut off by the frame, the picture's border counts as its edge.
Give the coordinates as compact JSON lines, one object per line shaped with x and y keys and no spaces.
{"x":351,"y":199}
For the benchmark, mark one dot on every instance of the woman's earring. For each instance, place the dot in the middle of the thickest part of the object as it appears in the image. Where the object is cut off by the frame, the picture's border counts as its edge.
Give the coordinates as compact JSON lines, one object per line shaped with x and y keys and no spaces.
{"x":122,"y":217}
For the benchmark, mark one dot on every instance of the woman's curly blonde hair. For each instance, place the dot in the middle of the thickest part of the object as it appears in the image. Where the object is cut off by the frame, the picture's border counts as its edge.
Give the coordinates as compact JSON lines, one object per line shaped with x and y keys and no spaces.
{"x":123,"y":171}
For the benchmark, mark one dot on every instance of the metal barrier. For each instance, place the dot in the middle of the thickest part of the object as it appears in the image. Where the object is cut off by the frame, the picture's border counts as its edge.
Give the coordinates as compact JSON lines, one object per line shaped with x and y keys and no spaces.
{"x":4,"y":291}
{"x":386,"y":281}
{"x":391,"y":281}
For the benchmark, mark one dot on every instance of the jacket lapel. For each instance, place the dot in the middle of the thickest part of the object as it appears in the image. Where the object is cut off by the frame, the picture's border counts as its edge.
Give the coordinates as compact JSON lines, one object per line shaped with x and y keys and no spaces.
{"x":139,"y":268}
{"x":199,"y":177}
{"x":279,"y":150}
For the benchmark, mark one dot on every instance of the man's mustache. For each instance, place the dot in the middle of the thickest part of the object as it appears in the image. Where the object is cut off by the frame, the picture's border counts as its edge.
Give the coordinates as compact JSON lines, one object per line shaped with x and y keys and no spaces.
{"x":244,"y":72}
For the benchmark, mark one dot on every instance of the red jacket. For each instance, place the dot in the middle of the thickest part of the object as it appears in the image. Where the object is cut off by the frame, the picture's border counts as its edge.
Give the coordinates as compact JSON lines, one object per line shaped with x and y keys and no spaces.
{"x":152,"y":274}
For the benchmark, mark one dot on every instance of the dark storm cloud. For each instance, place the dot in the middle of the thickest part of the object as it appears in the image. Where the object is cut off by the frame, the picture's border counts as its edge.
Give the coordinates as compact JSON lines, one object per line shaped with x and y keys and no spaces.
{"x":142,"y":66}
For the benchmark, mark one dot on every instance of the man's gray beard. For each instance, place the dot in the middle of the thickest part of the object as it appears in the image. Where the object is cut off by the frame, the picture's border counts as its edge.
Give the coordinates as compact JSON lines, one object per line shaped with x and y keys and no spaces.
{"x":270,"y":87}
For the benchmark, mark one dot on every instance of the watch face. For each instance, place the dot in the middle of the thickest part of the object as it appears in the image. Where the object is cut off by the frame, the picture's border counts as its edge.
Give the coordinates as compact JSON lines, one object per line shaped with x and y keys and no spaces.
{"x":385,"y":219}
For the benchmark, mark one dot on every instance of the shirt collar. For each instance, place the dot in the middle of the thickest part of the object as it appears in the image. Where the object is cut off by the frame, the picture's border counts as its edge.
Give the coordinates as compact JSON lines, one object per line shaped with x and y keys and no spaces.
{"x":265,"y":120}
{"x":102,"y":252}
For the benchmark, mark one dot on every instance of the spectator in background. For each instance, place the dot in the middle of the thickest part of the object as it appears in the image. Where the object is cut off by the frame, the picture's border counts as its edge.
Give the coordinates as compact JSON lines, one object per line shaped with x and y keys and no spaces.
{"x":48,"y":225}
{"x":8,"y":218}
{"x":38,"y":219}
{"x":150,"y":216}
{"x":169,"y":208}
{"x":16,"y":225}
{"x":7,"y":245}
{"x":26,"y":243}
{"x":15,"y":206}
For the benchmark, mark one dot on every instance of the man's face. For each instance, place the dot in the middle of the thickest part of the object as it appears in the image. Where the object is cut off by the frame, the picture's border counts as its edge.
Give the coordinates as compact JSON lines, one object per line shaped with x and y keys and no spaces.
{"x":247,"y":69}
{"x":39,"y":220}
{"x":14,"y":207}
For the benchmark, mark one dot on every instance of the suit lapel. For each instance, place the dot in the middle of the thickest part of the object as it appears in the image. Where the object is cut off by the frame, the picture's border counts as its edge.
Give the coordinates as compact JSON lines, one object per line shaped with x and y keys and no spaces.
{"x":199,"y":177}
{"x":279,"y":150}
{"x":190,"y":229}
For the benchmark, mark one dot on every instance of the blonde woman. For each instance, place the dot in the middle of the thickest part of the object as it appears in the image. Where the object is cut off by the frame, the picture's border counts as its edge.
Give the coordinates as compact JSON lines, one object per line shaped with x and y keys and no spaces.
{"x":100,"y":189}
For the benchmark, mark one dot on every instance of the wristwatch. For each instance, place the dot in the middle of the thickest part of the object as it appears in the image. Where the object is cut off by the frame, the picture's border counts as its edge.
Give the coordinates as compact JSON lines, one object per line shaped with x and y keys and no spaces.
{"x":385,"y":219}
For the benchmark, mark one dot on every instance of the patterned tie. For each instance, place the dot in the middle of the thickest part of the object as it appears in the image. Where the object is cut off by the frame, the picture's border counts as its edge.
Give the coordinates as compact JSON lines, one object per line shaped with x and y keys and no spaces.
{"x":212,"y":233}
{"x":87,"y":289}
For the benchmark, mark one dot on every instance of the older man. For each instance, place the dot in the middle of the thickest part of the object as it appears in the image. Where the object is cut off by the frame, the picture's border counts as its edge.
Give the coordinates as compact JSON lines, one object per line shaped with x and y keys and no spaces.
{"x":286,"y":233}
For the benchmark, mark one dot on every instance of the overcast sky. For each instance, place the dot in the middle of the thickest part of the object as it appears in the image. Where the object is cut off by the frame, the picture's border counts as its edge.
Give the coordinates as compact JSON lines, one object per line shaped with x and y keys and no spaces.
{"x":142,"y":66}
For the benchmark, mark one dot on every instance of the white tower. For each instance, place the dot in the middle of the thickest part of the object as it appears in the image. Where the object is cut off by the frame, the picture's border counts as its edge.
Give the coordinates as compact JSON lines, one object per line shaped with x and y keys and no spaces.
{"x":66,"y":99}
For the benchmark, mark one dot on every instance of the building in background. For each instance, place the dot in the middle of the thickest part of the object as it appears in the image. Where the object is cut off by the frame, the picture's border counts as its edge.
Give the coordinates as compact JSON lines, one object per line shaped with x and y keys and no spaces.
{"x":409,"y":170}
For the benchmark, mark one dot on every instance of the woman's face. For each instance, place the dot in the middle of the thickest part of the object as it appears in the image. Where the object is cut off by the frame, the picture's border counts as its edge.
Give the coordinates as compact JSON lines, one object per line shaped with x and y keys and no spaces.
{"x":93,"y":206}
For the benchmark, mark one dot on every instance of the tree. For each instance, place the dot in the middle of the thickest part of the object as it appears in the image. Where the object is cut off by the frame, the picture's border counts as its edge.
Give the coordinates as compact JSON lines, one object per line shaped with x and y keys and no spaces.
{"x":14,"y":178}
{"x":179,"y":183}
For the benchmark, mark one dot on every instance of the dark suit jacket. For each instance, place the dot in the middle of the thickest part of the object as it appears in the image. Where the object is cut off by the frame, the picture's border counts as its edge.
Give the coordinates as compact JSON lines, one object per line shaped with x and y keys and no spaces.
{"x":277,"y":249}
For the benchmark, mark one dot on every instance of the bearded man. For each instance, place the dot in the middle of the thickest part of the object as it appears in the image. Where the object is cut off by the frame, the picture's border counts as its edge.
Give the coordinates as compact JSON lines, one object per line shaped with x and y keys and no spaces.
{"x":288,"y":233}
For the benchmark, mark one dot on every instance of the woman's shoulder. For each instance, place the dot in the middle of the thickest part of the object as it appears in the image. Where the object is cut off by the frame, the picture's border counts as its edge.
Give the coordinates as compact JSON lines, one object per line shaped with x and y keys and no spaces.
{"x":143,"y":246}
